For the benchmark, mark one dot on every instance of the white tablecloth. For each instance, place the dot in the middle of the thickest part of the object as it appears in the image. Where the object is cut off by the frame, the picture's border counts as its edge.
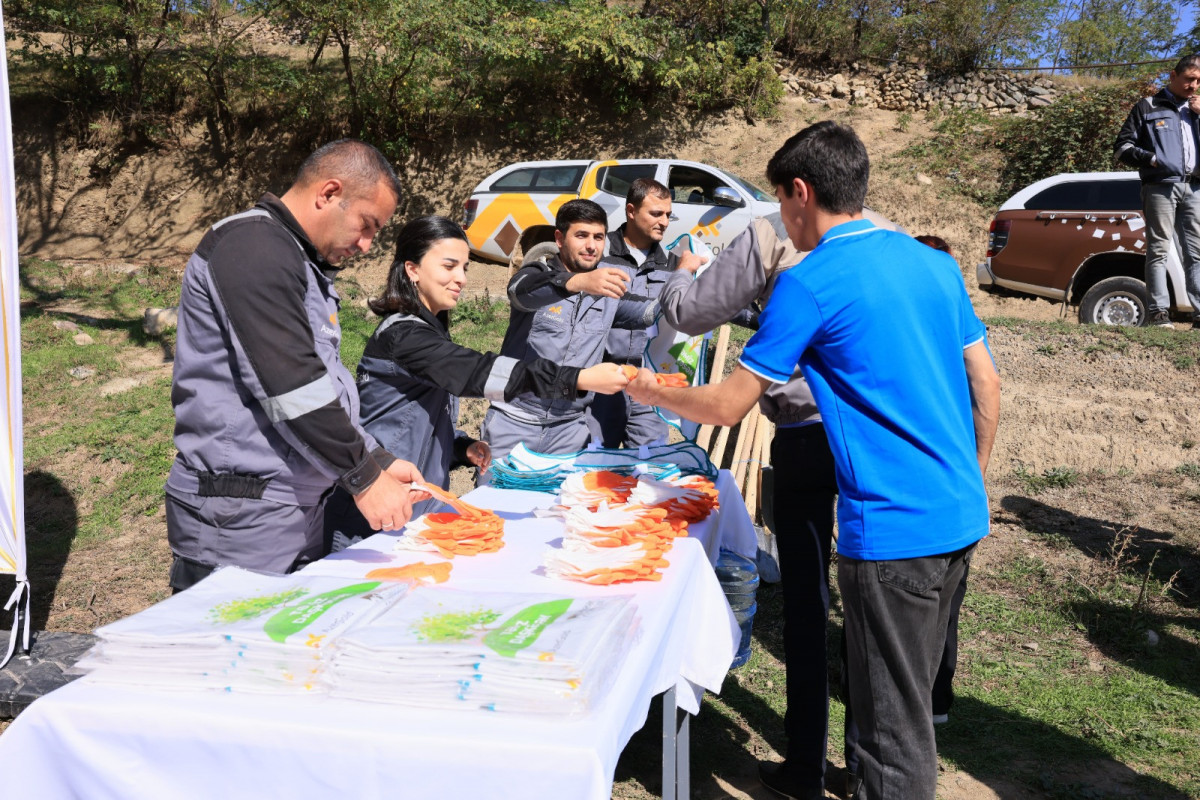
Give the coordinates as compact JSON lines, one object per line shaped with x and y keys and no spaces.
{"x":93,"y":741}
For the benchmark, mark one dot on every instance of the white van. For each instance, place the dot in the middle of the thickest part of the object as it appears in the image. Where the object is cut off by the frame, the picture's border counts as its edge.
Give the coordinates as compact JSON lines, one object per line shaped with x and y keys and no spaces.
{"x":513,"y":209}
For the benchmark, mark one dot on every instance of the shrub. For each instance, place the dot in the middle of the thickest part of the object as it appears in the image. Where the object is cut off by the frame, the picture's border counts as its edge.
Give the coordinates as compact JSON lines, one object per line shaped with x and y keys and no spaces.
{"x":1075,"y":134}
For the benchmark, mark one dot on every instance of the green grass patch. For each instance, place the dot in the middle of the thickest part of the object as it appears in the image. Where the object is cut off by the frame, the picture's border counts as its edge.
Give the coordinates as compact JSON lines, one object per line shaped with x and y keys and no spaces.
{"x":480,"y":323}
{"x":1051,"y":478}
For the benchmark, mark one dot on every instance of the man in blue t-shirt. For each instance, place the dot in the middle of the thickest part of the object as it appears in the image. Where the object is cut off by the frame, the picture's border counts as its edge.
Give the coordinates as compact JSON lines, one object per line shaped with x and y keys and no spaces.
{"x":884,"y":332}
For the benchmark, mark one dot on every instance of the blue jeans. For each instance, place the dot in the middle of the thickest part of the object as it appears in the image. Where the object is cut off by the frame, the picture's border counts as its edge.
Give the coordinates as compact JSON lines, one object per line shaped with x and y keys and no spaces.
{"x":896,"y":617}
{"x":1172,"y":210}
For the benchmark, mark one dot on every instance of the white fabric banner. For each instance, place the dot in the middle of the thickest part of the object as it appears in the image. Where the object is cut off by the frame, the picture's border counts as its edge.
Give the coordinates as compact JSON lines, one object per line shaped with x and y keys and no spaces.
{"x":12,"y":456}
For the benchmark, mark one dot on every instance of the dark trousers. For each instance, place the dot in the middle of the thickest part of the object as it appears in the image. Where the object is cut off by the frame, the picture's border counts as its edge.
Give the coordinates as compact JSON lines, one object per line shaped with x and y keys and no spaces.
{"x":896,"y":618}
{"x":805,"y":489}
{"x":943,"y":691}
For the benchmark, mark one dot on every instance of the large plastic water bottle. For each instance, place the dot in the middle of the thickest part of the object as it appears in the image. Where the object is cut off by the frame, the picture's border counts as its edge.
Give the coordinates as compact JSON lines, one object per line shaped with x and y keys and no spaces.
{"x":739,"y":580}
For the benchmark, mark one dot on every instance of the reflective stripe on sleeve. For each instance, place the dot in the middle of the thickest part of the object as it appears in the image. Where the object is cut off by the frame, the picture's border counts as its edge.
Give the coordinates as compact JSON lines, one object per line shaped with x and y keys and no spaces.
{"x":497,"y":379}
{"x":299,"y":402}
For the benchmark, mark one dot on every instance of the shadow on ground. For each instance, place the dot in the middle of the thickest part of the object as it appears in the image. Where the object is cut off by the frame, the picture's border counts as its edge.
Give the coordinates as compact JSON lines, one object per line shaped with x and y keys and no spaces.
{"x":1160,"y":552}
{"x":51,"y":523}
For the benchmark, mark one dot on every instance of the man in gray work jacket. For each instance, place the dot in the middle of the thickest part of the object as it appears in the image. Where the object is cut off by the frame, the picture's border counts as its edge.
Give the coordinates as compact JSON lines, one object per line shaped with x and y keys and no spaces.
{"x":562,"y":309}
{"x":636,"y":246}
{"x":1161,"y":137}
{"x":266,"y":415}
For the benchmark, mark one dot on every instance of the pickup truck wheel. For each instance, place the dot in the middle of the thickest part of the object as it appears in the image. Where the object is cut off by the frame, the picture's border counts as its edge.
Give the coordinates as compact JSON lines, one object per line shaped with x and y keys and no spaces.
{"x":1119,"y":300}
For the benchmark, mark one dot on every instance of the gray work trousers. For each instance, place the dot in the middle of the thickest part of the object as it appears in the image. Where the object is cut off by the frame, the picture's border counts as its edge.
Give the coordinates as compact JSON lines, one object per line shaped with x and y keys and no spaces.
{"x":618,"y":420}
{"x":503,"y":433}
{"x":895,"y":626}
{"x":1172,"y":210}
{"x":210,"y":532}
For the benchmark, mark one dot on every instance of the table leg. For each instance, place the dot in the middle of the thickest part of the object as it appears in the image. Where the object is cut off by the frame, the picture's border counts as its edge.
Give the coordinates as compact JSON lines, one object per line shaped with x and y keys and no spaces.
{"x":676,"y":760}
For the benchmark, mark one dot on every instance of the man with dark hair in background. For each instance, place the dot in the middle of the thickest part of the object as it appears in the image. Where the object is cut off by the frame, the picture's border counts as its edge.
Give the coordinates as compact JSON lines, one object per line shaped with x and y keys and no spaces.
{"x":1160,"y":138}
{"x":266,"y":415}
{"x":562,"y":309}
{"x":911,"y":420}
{"x":636,"y":246}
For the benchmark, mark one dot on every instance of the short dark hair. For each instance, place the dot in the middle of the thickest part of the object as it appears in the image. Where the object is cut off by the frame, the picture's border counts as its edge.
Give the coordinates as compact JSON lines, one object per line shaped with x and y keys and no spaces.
{"x":830,"y":158}
{"x":357,"y":164}
{"x":412,"y":243}
{"x":1187,"y":62}
{"x":574,"y":211}
{"x":936,"y":242}
{"x":642,"y":187}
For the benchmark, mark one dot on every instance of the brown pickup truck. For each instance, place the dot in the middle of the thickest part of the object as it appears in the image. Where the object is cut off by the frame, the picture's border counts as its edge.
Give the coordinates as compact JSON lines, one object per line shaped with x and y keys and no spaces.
{"x":1078,"y":238}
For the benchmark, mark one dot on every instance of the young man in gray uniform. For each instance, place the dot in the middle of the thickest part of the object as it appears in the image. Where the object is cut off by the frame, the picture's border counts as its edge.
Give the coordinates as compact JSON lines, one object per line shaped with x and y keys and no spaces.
{"x":562,"y":309}
{"x":636,"y":246}
{"x":266,"y":415}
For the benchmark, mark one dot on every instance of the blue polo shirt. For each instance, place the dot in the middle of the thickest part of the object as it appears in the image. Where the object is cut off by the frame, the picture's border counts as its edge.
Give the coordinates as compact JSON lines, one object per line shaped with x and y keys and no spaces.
{"x":878,"y":323}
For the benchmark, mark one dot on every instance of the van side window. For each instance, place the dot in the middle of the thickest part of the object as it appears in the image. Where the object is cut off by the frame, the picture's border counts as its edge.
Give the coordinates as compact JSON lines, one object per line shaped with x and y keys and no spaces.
{"x":1108,"y":195}
{"x":540,"y":179}
{"x":617,"y":179}
{"x":691,"y":185}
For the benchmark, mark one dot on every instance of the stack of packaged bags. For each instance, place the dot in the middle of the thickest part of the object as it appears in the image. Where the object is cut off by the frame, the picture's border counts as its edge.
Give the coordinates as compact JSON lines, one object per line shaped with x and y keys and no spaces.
{"x":508,"y":652}
{"x":237,"y":631}
{"x":618,"y":528}
{"x":465,"y":531}
{"x":541,"y":472}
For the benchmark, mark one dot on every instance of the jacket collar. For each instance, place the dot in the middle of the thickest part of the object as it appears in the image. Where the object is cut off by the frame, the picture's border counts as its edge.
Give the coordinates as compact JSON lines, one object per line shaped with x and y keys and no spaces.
{"x":275,"y":207}
{"x":619,"y":248}
{"x":1165,"y":96}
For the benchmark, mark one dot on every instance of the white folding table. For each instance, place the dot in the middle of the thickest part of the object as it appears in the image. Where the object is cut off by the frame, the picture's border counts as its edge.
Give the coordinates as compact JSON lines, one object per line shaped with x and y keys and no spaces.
{"x":95,"y":741}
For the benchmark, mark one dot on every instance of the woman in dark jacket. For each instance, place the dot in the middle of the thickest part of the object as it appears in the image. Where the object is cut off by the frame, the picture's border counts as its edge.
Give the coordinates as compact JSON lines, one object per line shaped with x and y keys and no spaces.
{"x":411,"y":373}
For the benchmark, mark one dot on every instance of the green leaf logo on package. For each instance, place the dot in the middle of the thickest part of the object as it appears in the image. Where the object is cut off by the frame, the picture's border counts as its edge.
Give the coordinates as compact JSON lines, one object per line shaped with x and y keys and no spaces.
{"x":297,"y":617}
{"x":232,"y":611}
{"x":454,"y":626}
{"x":523,"y":628}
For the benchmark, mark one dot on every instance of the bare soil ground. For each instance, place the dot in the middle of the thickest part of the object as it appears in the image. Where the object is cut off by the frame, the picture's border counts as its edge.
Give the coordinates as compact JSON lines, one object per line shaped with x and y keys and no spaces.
{"x":1124,"y":416}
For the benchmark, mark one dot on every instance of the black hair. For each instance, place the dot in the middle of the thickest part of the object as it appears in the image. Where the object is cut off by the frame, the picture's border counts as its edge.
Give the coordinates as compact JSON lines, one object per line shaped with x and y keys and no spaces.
{"x":830,"y":158}
{"x":412,"y":243}
{"x":936,"y":242}
{"x":643,"y":187}
{"x":357,"y":164}
{"x":1187,"y":62}
{"x":574,"y":211}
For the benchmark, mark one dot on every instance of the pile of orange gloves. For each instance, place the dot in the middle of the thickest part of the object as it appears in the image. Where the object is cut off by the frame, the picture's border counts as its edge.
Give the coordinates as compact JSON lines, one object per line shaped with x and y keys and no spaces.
{"x":466,"y":531}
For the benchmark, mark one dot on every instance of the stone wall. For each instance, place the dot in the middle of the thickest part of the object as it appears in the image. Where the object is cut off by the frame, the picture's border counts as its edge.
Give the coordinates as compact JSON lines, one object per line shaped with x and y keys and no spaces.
{"x":913,"y":88}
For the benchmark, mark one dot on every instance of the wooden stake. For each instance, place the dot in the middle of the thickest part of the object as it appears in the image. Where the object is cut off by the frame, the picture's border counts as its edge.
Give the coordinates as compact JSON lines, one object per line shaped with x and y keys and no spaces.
{"x":754,"y":465}
{"x":744,"y":448}
{"x":718,"y":370}
{"x":718,"y":451}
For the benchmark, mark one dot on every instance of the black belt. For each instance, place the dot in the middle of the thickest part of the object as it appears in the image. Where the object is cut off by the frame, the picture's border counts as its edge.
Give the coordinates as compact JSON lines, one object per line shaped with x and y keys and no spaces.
{"x":231,"y":484}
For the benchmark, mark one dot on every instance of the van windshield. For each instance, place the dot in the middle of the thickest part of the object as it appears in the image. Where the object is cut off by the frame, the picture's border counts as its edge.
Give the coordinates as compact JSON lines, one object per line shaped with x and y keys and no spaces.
{"x":755,"y":192}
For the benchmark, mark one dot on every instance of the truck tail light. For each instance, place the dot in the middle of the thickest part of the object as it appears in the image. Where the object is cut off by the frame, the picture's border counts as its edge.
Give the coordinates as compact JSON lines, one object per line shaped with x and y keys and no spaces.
{"x":469,"y":209}
{"x":998,"y":235}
